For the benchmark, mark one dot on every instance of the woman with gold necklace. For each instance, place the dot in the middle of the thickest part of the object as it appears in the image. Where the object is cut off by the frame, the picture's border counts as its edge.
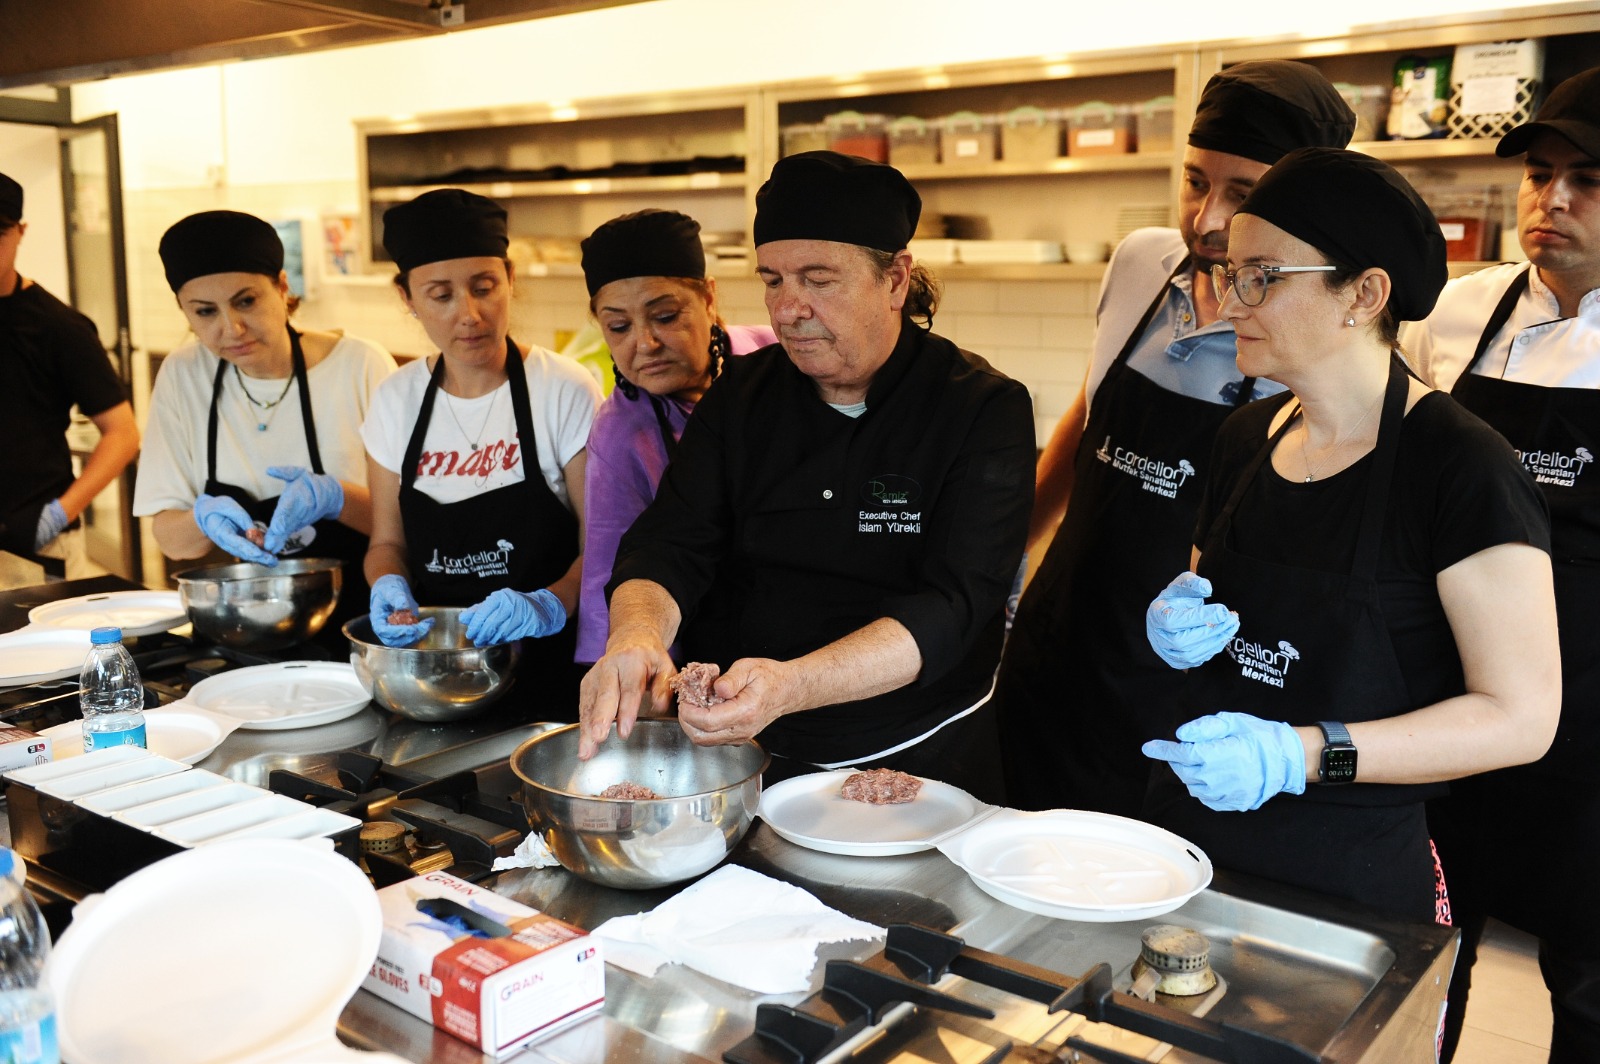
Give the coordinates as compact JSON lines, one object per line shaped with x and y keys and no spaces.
{"x":252,"y":443}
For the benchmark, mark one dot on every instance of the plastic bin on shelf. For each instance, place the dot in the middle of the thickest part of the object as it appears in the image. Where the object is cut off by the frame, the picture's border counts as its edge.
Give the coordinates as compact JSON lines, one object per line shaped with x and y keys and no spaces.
{"x":1100,"y":128}
{"x":1153,"y":124}
{"x":854,"y":133}
{"x":1030,"y":135}
{"x":913,"y":141}
{"x":967,"y":137}
{"x":804,"y":136}
{"x":1371,"y":105}
{"x":1469,"y":219}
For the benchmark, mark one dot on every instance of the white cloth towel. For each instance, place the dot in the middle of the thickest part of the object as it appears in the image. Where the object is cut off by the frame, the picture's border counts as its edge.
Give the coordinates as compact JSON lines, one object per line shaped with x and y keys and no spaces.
{"x":531,"y":852}
{"x":735,"y":925}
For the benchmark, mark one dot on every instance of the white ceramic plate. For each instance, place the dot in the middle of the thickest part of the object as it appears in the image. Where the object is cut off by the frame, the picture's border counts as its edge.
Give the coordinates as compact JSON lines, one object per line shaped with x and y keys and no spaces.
{"x":135,"y":612}
{"x":808,"y":811}
{"x":181,"y":734}
{"x":288,"y":694}
{"x":34,"y":654}
{"x":1076,"y":865}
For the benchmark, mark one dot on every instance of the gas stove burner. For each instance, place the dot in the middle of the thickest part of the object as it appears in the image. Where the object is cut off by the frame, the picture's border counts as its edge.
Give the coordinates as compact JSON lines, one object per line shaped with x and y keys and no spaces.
{"x":1172,"y":960}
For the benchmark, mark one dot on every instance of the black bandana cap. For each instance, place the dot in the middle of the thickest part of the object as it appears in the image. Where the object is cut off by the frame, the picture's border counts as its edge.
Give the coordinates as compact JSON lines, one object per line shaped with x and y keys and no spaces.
{"x":220,"y":242}
{"x":1265,"y":109}
{"x":1572,"y":110}
{"x":823,"y":195}
{"x":10,"y":199}
{"x":1361,"y":213}
{"x":447,"y":223}
{"x":647,"y":243}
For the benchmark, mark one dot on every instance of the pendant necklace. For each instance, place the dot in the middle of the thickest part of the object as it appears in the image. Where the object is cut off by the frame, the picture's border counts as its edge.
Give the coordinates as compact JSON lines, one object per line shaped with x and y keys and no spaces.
{"x":474,"y":441}
{"x":1311,"y":473}
{"x":265,"y":411}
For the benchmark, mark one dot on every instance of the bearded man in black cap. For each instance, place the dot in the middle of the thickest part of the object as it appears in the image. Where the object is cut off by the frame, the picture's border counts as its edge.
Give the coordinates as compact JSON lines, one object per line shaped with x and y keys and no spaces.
{"x":1519,"y":345}
{"x":50,"y":361}
{"x":1080,"y":689}
{"x":844,"y":515}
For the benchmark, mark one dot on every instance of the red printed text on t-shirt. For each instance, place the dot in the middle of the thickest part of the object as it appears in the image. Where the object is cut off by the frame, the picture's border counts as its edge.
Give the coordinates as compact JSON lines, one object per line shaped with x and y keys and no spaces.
{"x":502,"y":454}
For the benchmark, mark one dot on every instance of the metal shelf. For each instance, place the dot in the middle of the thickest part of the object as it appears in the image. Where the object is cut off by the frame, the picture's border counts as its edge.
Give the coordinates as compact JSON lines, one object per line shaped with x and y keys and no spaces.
{"x":582,"y":186}
{"x":1152,"y":161}
{"x":1420,"y":150}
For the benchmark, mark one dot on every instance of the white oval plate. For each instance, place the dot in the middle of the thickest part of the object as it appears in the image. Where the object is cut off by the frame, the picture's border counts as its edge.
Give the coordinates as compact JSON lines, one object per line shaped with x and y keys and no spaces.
{"x":1077,"y":865}
{"x":181,"y":734}
{"x":287,"y":694}
{"x":34,"y":654}
{"x":135,"y":612}
{"x":808,"y":811}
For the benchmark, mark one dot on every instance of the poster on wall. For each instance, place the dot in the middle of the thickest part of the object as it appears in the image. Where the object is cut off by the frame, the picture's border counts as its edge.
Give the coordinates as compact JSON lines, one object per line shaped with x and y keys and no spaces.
{"x":294,"y":259}
{"x":340,"y":242}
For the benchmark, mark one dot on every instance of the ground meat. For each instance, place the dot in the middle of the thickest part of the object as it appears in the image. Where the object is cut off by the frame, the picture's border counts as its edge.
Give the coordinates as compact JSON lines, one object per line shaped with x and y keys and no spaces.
{"x":403,"y":617}
{"x":258,"y":536}
{"x":880,"y":786}
{"x":633,"y":792}
{"x":693,"y":685}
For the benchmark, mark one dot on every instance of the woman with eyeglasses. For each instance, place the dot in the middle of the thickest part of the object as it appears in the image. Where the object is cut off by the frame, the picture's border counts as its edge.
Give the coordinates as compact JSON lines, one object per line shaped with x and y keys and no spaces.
{"x":1384,"y":619}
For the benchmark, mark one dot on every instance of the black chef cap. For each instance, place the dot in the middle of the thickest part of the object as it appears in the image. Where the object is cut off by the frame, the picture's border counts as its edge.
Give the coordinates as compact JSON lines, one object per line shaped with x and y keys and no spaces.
{"x":220,"y":242}
{"x":1573,"y":110}
{"x":648,"y":243}
{"x":823,"y":195}
{"x":447,"y":223}
{"x":10,"y":199}
{"x":1361,"y":213}
{"x":1265,"y":109}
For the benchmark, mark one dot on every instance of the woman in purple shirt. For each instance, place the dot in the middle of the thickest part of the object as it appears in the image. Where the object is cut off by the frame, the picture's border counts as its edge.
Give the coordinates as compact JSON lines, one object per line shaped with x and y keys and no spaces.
{"x":657,"y":309}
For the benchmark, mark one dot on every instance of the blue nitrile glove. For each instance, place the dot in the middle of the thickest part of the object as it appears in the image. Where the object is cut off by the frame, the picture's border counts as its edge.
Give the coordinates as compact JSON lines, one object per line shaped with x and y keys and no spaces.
{"x":506,"y":615}
{"x":309,"y":498}
{"x":1182,"y":628}
{"x":1233,"y":761}
{"x":390,"y":593}
{"x":224,"y":522}
{"x":52,"y":522}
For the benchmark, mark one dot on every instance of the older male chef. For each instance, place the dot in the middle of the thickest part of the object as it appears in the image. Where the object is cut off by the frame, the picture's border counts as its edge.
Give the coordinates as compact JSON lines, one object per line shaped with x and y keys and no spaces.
{"x":1080,"y":689}
{"x":1519,"y":345}
{"x":844,"y":515}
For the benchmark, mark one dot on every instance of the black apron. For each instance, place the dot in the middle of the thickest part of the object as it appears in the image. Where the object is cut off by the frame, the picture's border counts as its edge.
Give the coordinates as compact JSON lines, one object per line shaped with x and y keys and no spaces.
{"x":1312,"y":646}
{"x":517,"y":536}
{"x":1533,"y":831}
{"x":333,"y":539}
{"x":1080,"y":688}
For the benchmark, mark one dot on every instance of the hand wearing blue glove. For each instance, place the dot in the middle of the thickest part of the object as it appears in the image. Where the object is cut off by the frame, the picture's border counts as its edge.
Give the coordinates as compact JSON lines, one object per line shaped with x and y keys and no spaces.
{"x":506,"y":615}
{"x":391,"y":594}
{"x":224,"y":522}
{"x":1233,"y":761}
{"x":52,"y":522}
{"x":309,"y":498}
{"x":1182,"y":628}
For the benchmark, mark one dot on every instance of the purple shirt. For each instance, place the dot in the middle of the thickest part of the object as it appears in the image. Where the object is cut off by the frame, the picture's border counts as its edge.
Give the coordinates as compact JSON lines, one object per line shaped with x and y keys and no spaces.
{"x":626,"y":459}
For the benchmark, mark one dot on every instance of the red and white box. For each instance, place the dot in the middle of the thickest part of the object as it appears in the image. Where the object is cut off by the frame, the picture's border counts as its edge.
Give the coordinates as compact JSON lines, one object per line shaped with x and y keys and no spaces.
{"x":19,"y":748}
{"x":525,"y":976}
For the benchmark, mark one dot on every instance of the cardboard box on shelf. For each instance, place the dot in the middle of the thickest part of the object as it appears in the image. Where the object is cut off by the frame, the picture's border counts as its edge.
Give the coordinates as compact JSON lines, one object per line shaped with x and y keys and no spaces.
{"x":1494,"y":87}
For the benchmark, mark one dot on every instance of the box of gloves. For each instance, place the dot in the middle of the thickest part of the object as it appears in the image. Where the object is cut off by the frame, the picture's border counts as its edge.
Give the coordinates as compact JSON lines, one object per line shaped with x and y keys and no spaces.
{"x":487,"y":969}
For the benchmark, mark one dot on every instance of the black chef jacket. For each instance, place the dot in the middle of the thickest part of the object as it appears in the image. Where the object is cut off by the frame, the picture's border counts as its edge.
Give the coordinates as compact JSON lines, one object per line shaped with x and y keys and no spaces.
{"x":50,"y":360}
{"x":782,"y":525}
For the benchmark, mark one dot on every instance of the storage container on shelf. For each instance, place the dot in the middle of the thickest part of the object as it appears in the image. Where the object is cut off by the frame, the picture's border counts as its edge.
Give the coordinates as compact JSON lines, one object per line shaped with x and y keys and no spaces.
{"x":1152,"y":125}
{"x":1469,"y":218}
{"x":1100,"y":128}
{"x":1419,"y":106}
{"x":913,"y":141}
{"x":965,"y":138}
{"x":804,"y":136}
{"x":854,"y":133}
{"x":1371,"y":105}
{"x":1030,"y":135}
{"x":1494,"y":87}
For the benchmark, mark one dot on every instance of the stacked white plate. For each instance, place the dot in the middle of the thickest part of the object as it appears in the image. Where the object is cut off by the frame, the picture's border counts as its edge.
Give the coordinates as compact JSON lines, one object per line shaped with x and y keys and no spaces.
{"x":135,"y":612}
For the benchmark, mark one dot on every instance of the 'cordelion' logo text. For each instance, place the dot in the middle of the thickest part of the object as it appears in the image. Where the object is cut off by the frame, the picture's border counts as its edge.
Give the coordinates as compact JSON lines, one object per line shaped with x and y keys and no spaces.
{"x":1261,"y":663}
{"x":1155,"y":474}
{"x":1553,"y":467}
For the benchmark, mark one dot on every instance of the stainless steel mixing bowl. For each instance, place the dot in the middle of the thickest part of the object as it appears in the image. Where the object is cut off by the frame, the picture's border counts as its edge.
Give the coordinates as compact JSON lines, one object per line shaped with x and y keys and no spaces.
{"x":709,"y":798}
{"x":440,"y":677}
{"x":251,"y":607}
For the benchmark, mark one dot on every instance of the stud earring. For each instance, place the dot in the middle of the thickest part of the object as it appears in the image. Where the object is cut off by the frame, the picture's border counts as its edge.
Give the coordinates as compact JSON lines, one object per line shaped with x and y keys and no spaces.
{"x":1350,"y":321}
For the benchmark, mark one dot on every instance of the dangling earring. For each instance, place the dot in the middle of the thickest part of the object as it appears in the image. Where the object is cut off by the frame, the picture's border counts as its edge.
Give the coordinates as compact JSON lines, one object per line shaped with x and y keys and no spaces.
{"x":624,"y":385}
{"x":1350,"y":321}
{"x":720,"y":347}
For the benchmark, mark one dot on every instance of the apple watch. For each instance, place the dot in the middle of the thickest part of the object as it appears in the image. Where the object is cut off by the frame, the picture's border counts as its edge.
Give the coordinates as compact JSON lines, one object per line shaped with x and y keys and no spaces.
{"x":1338,"y":753}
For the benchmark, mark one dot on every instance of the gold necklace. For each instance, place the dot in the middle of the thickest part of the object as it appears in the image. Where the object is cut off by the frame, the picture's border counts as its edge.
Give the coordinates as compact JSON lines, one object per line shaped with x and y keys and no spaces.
{"x":1311,"y":473}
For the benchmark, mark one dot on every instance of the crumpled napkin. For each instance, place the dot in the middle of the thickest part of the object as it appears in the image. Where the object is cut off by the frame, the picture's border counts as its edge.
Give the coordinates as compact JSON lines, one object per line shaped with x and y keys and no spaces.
{"x":735,"y":925}
{"x":531,"y":852}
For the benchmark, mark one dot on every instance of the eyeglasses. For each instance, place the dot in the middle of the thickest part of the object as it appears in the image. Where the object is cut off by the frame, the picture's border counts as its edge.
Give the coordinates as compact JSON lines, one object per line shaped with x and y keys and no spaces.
{"x":1249,"y":283}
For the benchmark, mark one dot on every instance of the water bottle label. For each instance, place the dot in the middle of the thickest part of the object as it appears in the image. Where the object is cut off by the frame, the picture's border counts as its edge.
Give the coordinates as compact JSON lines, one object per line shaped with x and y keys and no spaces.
{"x":31,"y":1043}
{"x":100,"y":740}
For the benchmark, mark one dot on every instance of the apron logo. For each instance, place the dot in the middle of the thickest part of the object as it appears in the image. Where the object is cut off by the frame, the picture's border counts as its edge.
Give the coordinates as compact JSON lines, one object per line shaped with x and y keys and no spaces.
{"x":483,"y":563}
{"x":1554,"y":468}
{"x":1263,"y":664}
{"x":891,"y":489}
{"x":1154,"y":474}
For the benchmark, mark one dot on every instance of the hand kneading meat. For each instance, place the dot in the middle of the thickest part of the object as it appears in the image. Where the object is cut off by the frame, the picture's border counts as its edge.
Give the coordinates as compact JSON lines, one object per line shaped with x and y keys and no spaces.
{"x":403,"y":617}
{"x":633,"y":792}
{"x":693,"y":685}
{"x":880,"y":786}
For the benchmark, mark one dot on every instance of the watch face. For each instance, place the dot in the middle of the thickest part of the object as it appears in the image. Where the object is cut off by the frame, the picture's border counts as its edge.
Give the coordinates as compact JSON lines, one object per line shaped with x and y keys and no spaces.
{"x":1338,"y":764}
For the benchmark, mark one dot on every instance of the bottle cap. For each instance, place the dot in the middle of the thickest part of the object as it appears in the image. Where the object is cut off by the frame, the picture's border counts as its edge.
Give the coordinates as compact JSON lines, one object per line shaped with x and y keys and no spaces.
{"x":110,"y":634}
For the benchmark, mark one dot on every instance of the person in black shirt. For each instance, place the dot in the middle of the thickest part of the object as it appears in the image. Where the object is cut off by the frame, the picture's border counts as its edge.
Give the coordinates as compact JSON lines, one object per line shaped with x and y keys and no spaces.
{"x":843,"y":517}
{"x":50,"y":361}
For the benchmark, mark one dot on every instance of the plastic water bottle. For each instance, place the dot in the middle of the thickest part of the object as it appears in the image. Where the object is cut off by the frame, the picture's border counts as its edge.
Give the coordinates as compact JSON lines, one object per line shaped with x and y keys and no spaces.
{"x":27,"y":1010}
{"x":110,"y":694}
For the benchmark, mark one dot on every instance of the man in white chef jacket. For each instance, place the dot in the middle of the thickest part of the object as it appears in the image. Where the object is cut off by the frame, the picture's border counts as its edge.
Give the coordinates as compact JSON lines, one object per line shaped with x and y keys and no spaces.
{"x":1519,"y":345}
{"x":1080,"y":690}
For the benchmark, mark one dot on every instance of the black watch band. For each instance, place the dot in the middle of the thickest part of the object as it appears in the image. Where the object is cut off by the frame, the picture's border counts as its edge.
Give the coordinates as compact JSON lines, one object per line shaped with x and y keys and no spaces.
{"x":1338,"y":753}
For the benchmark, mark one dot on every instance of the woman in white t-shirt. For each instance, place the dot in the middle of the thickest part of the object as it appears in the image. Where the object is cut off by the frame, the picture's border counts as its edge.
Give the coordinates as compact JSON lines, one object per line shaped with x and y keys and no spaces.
{"x":476,"y":454}
{"x":253,"y":426}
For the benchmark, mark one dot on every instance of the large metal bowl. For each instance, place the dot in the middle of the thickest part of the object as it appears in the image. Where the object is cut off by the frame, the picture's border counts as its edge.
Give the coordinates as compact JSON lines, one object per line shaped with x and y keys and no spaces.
{"x":251,"y":607}
{"x":442,"y":676}
{"x":710,"y":794}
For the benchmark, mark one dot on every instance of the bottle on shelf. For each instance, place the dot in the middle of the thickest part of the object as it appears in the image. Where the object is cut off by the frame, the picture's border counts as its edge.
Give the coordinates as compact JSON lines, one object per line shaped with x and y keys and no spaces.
{"x":27,"y":1009}
{"x":110,"y":694}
